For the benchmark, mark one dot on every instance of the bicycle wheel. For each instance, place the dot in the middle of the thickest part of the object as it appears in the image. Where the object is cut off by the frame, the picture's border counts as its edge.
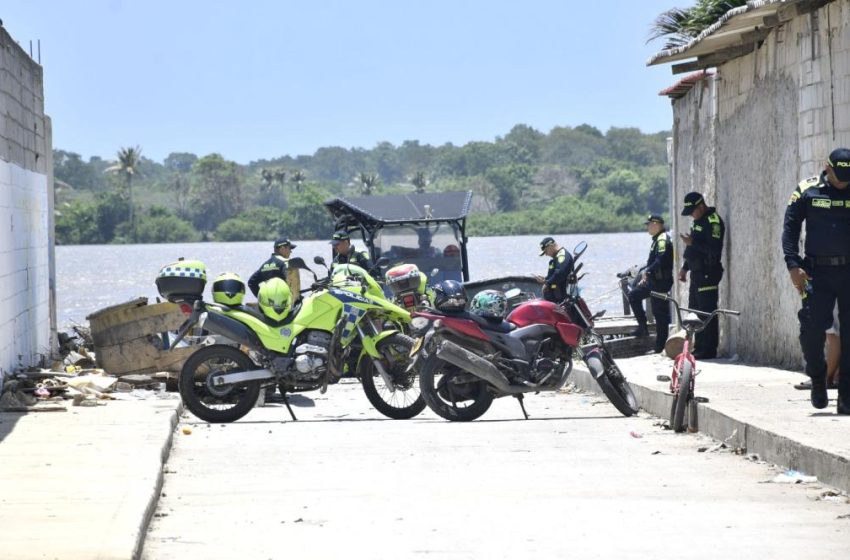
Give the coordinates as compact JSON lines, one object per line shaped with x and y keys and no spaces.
{"x":681,"y":399}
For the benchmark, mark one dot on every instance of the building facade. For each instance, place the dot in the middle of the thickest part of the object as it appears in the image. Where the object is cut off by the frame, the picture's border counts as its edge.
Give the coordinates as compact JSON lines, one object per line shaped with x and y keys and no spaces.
{"x":27,"y":272}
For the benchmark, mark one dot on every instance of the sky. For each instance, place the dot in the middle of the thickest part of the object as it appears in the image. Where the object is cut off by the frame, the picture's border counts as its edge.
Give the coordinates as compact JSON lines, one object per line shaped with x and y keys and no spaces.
{"x":260,"y":79}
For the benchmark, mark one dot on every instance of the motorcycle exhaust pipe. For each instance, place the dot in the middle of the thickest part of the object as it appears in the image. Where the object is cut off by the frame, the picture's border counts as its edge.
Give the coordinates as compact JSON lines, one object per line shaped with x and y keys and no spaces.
{"x":464,"y":359}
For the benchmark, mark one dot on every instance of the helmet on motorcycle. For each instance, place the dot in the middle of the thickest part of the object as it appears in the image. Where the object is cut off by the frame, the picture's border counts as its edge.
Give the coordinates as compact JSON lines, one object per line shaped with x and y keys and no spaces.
{"x":450,"y":295}
{"x":491,"y":304}
{"x":228,"y":289}
{"x":275,"y":299}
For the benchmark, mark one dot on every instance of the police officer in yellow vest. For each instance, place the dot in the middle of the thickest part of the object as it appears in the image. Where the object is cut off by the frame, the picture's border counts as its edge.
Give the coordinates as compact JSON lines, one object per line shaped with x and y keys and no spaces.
{"x":703,"y":250}
{"x":560,"y":266}
{"x":823,"y":276}
{"x":657,"y":276}
{"x":274,"y":267}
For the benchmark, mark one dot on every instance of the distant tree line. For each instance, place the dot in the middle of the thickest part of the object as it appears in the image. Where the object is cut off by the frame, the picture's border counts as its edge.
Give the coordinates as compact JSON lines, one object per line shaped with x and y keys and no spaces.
{"x":572,"y":179}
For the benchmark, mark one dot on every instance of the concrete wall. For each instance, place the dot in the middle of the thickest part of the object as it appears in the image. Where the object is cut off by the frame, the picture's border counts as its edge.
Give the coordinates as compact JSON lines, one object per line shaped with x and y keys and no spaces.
{"x":26,"y":215}
{"x":778,"y":113}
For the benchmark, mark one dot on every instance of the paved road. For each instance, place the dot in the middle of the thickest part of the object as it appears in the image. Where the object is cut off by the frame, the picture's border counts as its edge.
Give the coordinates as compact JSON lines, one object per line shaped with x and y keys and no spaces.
{"x":572,"y":482}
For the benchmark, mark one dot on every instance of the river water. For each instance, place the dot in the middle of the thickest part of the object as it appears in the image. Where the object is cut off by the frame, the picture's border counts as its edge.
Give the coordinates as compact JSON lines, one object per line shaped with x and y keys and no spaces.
{"x":90,"y":277}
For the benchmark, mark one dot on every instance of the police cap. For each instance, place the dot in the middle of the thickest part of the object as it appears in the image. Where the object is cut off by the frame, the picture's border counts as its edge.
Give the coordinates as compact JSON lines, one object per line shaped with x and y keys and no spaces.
{"x":545,"y":243}
{"x":339,"y":236}
{"x":839,"y":161}
{"x":692,"y":200}
{"x":654,"y":218}
{"x":284,"y":242}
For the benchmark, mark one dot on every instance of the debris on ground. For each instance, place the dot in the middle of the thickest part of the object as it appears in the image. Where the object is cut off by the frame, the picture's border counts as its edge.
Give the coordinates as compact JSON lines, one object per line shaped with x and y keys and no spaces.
{"x":792,"y":477}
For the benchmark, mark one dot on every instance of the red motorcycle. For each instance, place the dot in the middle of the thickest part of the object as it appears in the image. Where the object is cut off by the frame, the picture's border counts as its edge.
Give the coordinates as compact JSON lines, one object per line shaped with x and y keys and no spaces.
{"x":465,"y":361}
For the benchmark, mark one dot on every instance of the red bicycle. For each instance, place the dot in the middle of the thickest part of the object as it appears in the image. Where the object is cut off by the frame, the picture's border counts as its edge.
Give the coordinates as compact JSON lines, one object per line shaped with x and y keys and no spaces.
{"x":685,"y":365}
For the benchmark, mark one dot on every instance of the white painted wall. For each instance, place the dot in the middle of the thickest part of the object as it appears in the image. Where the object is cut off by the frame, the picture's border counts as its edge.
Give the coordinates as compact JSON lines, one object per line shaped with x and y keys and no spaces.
{"x":24,"y":267}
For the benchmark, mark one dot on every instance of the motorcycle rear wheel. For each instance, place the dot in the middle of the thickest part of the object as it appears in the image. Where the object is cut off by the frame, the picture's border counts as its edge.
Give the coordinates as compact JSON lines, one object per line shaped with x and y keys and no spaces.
{"x":403,"y":400}
{"x":612,"y":382}
{"x":210,"y":403}
{"x":452,"y":409}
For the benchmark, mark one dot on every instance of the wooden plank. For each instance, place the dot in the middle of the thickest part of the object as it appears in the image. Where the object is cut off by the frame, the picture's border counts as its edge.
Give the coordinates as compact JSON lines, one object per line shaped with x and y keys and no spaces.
{"x":714,"y":59}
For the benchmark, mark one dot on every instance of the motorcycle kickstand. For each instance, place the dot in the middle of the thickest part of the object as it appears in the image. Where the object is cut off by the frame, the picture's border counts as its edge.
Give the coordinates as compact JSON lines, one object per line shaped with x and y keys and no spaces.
{"x":520,"y":398}
{"x":289,"y":408}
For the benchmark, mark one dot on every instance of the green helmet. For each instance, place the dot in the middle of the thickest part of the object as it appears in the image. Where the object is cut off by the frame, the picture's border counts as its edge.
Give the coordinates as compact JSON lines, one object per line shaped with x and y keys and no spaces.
{"x":489,"y":303}
{"x":275,"y":299}
{"x":228,"y":289}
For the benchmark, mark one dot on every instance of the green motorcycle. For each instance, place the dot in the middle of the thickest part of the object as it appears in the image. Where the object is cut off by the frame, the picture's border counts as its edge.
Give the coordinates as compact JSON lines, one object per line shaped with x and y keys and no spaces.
{"x":296,"y":348}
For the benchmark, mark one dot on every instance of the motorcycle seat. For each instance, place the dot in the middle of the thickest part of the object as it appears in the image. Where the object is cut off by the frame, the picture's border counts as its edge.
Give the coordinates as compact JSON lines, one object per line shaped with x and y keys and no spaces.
{"x":495,"y":325}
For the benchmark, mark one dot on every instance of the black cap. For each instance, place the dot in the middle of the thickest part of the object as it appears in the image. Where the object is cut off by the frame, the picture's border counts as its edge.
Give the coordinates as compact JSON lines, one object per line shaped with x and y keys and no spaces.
{"x":545,"y":243}
{"x":692,"y":200}
{"x":284,"y":242}
{"x":839,"y":161}
{"x":654,"y":218}
{"x":339,"y":236}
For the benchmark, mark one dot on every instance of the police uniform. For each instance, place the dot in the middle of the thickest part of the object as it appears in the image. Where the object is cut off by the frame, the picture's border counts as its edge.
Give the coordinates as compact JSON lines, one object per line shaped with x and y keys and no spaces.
{"x":702,"y":259}
{"x":560,"y":266}
{"x":659,"y":278}
{"x":274,"y":267}
{"x":360,"y":258}
{"x":826,"y":211}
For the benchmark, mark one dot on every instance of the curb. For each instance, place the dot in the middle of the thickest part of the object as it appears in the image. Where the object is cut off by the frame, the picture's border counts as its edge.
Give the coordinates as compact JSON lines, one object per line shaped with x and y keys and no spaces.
{"x":147,"y":515}
{"x":770,"y":446}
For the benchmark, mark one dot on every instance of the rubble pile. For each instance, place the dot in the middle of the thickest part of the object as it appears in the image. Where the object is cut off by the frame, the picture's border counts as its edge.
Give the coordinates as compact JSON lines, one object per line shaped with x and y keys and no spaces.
{"x":73,"y":379}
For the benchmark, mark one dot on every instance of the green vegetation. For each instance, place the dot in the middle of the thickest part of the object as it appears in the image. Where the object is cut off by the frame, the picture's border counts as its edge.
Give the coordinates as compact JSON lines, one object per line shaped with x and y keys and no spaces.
{"x":681,"y":25}
{"x":569,"y":180}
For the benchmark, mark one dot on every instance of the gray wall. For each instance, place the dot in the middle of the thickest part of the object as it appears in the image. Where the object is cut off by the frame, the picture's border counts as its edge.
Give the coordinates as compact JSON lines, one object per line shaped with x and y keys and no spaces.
{"x":778,"y":113}
{"x":26,"y":211}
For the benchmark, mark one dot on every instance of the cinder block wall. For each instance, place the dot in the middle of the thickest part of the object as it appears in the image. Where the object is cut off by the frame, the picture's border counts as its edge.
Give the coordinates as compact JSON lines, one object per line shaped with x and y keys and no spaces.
{"x":26,"y":201}
{"x":779,"y":112}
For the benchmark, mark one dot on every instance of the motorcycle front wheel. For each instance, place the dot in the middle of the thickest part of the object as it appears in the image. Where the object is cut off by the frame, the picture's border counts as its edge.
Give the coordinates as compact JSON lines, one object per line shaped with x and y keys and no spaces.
{"x":401,"y":399}
{"x":209,"y":402}
{"x":612,"y":381}
{"x":458,"y":402}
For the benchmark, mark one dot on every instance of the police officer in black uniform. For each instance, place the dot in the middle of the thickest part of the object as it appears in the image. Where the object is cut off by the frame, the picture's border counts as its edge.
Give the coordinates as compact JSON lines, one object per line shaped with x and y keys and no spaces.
{"x":703,"y":250}
{"x":274,"y":267}
{"x":657,"y":276}
{"x":823,"y":276}
{"x":560,"y":266}
{"x":345,"y":253}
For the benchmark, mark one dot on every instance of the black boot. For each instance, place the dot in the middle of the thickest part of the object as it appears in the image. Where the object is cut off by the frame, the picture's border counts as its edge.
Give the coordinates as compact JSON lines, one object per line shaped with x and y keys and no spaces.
{"x":843,"y":408}
{"x":640,"y":332}
{"x":819,"y":397}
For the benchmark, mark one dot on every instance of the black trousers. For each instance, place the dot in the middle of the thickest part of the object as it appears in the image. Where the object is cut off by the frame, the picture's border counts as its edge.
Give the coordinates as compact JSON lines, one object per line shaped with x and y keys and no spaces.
{"x":828,"y":285}
{"x":703,"y":295}
{"x":660,"y":309}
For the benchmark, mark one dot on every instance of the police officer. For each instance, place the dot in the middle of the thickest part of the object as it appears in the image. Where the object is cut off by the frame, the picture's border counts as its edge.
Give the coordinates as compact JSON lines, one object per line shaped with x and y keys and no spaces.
{"x":345,"y":253}
{"x":703,"y":250}
{"x":823,"y":276}
{"x":657,"y":276}
{"x":274,"y":267}
{"x":560,"y":266}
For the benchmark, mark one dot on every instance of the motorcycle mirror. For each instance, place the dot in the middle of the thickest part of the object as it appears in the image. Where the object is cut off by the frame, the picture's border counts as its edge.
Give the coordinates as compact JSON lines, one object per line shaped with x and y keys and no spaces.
{"x":578,"y":279}
{"x":579,"y":249}
{"x":434,"y":271}
{"x":382,"y":262}
{"x":297,"y":262}
{"x":319,"y":260}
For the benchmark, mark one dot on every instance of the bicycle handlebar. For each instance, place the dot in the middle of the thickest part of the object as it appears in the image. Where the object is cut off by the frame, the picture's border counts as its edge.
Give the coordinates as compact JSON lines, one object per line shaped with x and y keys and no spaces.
{"x":707,"y":316}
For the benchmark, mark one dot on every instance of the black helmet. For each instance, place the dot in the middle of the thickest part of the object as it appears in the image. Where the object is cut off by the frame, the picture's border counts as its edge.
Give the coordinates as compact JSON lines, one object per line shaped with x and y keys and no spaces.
{"x":450,"y":295}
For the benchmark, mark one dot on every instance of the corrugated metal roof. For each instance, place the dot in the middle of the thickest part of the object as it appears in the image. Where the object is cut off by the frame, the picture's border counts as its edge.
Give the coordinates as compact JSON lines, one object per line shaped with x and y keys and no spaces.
{"x":683,"y":86}
{"x":737,"y":32}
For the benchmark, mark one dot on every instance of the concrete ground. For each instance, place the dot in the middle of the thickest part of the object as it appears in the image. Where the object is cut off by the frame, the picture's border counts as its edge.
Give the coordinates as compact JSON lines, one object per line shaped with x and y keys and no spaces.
{"x":80,"y":484}
{"x":578,"y":480}
{"x":756,"y":408}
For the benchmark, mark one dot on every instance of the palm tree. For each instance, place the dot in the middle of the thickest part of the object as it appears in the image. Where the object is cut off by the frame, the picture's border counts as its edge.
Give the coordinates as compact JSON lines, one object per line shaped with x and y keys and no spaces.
{"x":298,"y":177}
{"x":680,"y":26}
{"x":128,"y":166}
{"x":368,"y":183}
{"x":419,"y":182}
